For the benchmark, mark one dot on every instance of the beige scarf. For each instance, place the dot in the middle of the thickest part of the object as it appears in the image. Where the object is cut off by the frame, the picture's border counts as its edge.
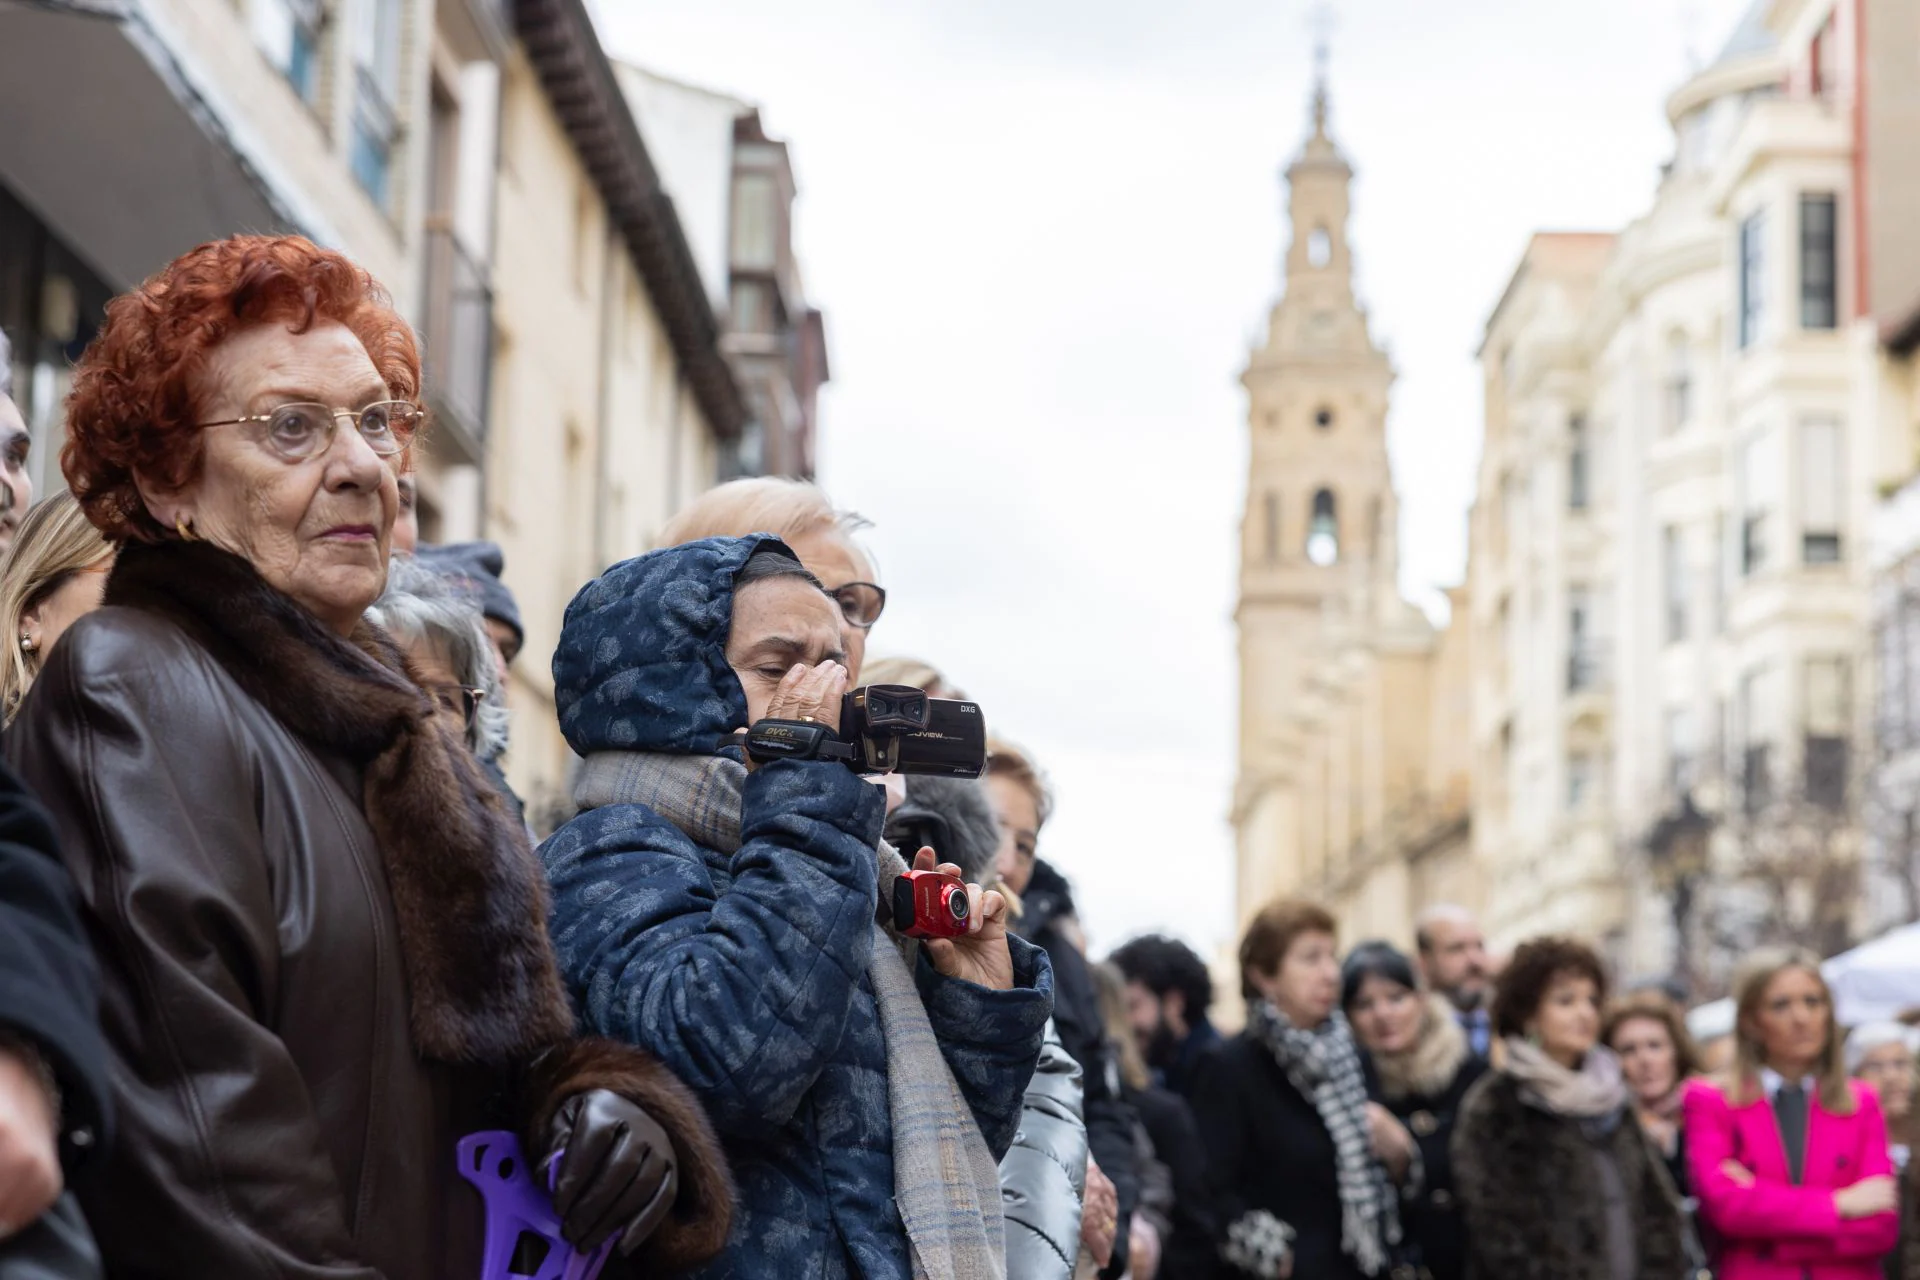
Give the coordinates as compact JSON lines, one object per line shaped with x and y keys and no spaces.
{"x":945,"y":1182}
{"x":1593,"y":1093}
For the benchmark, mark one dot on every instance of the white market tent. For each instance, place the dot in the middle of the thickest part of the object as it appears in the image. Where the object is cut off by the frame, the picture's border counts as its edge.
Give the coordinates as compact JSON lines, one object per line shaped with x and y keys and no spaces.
{"x":1874,"y":981}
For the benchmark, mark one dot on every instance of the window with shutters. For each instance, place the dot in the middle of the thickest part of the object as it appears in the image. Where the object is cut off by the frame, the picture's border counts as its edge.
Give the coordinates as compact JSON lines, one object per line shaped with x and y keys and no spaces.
{"x":376,"y":98}
{"x":1753,"y":270}
{"x":1673,"y":567}
{"x":1680,"y":750}
{"x":1827,"y":718}
{"x":1819,"y":262}
{"x":1821,"y":491}
{"x":1679,"y":390}
{"x":1758,"y":478}
{"x":1579,"y":463}
{"x":288,"y":33}
{"x":1756,"y":729}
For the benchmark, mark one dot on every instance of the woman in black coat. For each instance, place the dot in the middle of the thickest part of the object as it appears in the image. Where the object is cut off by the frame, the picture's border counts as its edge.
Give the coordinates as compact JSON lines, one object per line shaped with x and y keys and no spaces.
{"x":1293,"y":1146}
{"x":1423,"y":1067}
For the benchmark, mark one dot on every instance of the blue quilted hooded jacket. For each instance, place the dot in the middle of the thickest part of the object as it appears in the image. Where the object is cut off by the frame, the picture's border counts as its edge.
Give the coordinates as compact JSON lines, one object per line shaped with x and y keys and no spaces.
{"x":747,"y":974}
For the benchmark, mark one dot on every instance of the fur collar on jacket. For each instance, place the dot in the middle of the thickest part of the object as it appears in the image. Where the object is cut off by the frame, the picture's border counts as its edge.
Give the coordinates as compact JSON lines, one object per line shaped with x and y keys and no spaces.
{"x":467,"y":892}
{"x":1428,"y":1069}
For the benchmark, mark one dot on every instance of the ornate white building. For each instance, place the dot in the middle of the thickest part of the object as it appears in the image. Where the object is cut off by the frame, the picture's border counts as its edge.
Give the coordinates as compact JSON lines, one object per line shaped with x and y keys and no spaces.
{"x":1669,"y":560}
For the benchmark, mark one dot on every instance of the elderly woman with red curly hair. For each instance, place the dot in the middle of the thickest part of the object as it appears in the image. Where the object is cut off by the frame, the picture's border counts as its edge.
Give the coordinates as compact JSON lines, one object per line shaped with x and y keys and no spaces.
{"x":323,"y":942}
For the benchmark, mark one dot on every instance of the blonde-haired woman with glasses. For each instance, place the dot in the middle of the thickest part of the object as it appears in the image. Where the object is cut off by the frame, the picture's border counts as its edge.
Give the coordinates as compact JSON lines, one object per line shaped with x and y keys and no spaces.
{"x":54,"y":574}
{"x":1788,"y":1155}
{"x":800,"y":514}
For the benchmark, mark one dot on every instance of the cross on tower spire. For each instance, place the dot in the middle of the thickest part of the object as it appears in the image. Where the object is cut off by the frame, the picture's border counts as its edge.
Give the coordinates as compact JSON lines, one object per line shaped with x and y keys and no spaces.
{"x":1321,"y":19}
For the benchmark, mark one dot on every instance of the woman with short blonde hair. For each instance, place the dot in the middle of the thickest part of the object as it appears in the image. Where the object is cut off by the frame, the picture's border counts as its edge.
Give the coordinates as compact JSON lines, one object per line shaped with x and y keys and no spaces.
{"x":800,"y":514}
{"x":788,"y":509}
{"x":53,"y":574}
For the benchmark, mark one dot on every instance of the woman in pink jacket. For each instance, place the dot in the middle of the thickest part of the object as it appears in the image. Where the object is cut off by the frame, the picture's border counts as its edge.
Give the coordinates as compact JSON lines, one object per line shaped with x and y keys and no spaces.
{"x":1788,"y":1156}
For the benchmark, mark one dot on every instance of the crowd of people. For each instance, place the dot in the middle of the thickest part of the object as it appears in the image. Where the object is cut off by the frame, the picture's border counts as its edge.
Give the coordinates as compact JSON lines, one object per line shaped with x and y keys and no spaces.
{"x":288,"y":988}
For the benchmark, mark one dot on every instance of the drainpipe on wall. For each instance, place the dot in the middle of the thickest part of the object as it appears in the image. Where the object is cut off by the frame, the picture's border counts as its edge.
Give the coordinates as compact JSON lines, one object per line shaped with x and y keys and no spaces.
{"x":493,"y":258}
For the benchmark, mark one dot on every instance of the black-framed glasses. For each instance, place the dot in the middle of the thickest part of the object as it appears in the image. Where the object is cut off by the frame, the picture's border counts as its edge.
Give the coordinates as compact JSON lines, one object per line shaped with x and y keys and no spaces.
{"x":301,"y":431}
{"x":458,"y":699}
{"x":862,"y":603}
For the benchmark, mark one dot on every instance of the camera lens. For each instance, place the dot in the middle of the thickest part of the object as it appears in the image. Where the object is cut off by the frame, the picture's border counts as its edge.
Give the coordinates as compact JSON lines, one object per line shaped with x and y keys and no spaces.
{"x":957,"y":903}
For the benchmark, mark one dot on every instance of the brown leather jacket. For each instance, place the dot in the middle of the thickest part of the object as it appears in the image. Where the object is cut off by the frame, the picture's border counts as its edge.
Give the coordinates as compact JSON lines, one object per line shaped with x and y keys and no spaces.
{"x":308,"y":906}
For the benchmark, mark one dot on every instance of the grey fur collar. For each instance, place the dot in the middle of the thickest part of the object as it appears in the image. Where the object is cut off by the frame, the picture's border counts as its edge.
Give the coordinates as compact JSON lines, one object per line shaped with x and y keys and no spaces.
{"x":1426,"y":1070}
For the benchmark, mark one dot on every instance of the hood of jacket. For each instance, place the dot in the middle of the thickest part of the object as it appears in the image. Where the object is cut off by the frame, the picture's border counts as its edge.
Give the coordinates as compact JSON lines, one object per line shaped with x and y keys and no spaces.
{"x":642,"y":660}
{"x":1047,"y":900}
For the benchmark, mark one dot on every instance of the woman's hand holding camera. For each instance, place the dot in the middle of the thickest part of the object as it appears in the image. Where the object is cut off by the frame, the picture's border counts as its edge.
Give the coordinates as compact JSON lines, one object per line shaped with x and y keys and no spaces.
{"x":981,"y":957}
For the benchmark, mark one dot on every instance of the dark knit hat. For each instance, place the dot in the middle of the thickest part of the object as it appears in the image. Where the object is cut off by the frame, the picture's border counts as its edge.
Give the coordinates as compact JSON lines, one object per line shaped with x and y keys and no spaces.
{"x":475,"y":567}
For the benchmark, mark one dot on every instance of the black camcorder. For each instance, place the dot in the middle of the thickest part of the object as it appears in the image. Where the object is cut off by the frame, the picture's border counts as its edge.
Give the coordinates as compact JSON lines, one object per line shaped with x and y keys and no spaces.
{"x":884,"y":728}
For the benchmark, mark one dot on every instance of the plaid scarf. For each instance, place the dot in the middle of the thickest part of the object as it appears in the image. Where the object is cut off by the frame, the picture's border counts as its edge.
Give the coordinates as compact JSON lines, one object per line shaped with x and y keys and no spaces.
{"x":945,"y":1182}
{"x":1325,"y":1067}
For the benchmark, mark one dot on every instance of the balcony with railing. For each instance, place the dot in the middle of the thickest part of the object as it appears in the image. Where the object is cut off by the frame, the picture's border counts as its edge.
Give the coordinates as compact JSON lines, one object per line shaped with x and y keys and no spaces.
{"x":457,"y":334}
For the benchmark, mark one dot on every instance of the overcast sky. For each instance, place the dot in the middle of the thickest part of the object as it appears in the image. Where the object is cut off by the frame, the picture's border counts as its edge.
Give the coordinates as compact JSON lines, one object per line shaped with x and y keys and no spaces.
{"x":1045,"y":233}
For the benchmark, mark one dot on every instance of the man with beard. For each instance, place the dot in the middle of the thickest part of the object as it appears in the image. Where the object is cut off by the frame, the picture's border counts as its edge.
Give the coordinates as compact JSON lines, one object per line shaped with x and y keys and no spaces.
{"x":1453,"y":959}
{"x":1168,"y":994}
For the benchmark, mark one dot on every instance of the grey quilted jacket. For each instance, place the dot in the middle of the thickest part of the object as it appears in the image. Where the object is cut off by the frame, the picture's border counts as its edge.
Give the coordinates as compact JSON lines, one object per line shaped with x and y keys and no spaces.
{"x":1044,"y":1174}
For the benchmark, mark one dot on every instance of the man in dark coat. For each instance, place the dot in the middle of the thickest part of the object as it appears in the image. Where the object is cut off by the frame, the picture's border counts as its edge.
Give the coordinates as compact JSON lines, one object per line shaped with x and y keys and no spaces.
{"x":53,"y":1083}
{"x":1168,"y":994}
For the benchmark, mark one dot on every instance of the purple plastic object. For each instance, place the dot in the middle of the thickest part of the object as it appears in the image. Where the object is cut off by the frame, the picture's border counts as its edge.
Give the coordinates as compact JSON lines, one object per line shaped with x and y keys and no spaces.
{"x":516,"y":1205}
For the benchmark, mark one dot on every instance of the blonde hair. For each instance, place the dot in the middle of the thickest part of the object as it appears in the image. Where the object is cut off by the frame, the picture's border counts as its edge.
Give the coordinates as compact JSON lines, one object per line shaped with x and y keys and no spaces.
{"x":1749,"y":1056}
{"x":53,"y":543}
{"x":1111,"y":988}
{"x":1004,"y":760}
{"x":915,"y":673}
{"x":760,"y":504}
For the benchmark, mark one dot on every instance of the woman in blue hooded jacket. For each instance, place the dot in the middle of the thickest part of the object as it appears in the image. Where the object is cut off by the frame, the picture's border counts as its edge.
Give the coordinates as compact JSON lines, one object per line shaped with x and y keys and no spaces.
{"x":726,"y":919}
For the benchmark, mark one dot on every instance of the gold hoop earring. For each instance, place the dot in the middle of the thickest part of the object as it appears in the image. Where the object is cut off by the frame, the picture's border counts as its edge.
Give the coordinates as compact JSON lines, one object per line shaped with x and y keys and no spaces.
{"x":184,"y":527}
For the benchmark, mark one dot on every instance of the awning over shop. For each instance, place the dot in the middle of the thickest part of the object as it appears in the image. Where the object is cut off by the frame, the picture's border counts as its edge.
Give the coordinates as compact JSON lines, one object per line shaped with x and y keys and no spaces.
{"x":106,"y":135}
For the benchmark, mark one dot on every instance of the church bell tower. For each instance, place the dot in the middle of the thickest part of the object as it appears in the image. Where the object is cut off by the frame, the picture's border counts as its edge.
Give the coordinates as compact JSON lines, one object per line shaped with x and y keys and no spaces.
{"x":1318,"y":529}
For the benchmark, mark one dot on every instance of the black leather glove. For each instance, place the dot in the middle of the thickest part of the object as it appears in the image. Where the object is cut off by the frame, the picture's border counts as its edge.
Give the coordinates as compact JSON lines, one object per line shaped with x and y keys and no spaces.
{"x":617,"y":1171}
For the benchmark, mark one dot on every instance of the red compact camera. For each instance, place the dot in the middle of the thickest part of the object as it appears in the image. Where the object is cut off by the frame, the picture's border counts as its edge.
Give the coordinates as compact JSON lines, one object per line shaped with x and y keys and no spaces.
{"x":927,"y":904}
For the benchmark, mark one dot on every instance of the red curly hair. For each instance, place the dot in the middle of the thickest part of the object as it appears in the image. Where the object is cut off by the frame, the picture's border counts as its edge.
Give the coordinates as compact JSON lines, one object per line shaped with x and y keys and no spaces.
{"x":132,"y":408}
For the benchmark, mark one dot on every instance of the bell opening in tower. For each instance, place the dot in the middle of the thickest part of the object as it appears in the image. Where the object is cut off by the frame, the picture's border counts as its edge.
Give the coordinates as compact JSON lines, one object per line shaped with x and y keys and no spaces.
{"x":1323,"y":531}
{"x":1319,"y":247}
